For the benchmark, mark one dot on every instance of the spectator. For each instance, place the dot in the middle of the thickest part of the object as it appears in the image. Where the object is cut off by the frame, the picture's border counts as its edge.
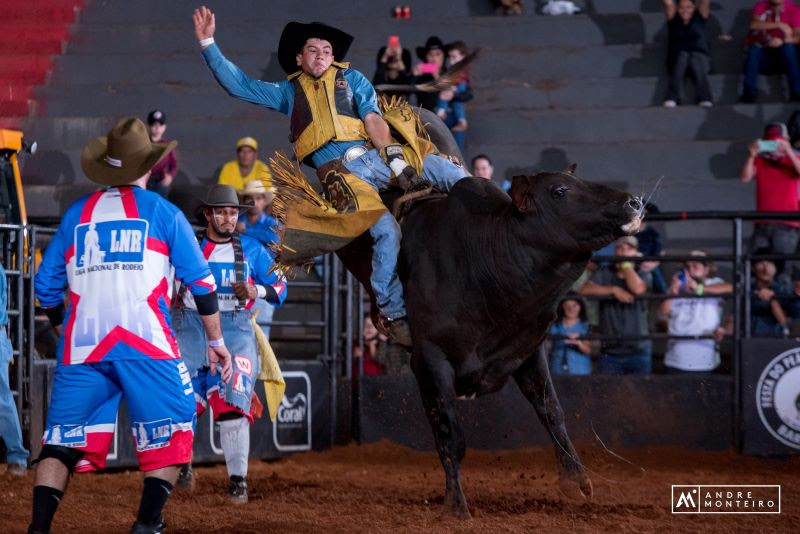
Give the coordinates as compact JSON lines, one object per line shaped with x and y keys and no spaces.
{"x":258,"y":221}
{"x":10,"y":431}
{"x":624,"y":316}
{"x":393,"y":66}
{"x":246,"y":167}
{"x":451,"y":106}
{"x":650,"y":245}
{"x":776,"y":169}
{"x":569,"y":354}
{"x":688,"y":50}
{"x":432,"y":57}
{"x":791,"y":305}
{"x":793,"y":128}
{"x":372,"y":339}
{"x":770,"y":46}
{"x":694,"y":316}
{"x":510,"y":7}
{"x":482,"y":167}
{"x":767,"y":317}
{"x":164,"y":172}
{"x":259,"y":224}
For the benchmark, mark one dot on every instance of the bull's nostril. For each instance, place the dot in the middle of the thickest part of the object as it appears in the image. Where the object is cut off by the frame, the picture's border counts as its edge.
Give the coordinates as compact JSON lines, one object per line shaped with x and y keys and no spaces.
{"x":634,"y":203}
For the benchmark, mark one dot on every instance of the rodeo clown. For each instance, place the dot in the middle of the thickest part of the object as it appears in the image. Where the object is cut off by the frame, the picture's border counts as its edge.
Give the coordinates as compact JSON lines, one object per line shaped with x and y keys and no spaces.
{"x":115,"y":251}
{"x":337,"y":128}
{"x":242,"y":268}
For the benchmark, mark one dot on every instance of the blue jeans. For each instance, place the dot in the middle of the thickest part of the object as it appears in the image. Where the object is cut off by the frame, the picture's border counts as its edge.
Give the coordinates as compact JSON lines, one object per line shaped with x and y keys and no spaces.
{"x":759,"y":59}
{"x":386,"y":232}
{"x":633,"y":363}
{"x":9,"y":418}
{"x":266,"y":310}
{"x":570,"y":362}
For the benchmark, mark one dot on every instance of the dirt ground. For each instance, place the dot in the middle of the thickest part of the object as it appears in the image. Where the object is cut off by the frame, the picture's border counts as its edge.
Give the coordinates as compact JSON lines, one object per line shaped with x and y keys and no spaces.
{"x":388,"y":488}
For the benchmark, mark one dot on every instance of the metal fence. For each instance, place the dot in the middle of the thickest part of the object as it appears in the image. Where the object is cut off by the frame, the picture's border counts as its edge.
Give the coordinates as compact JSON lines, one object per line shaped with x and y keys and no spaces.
{"x":342,"y":303}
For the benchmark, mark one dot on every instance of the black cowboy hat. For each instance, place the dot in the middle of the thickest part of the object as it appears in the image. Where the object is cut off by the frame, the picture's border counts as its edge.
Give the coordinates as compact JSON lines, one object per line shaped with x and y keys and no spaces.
{"x":431,"y":43}
{"x":124,"y":155}
{"x":219,"y":196}
{"x":295,"y":35}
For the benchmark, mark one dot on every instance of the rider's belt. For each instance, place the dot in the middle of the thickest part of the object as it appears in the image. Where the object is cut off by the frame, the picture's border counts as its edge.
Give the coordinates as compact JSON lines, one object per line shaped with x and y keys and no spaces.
{"x":324,"y":110}
{"x":354,"y":152}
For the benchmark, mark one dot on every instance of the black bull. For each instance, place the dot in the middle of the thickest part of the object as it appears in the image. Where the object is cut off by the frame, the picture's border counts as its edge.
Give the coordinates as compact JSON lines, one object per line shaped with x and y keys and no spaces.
{"x":483,"y":273}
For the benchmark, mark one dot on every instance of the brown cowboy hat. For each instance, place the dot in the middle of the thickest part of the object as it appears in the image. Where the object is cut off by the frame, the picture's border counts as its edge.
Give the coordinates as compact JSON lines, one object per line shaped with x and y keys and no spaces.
{"x":124,"y":155}
{"x":219,"y":196}
{"x":295,"y":35}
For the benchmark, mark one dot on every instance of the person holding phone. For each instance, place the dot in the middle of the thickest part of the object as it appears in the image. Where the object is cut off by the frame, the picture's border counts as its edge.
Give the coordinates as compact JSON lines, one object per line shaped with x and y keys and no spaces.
{"x":432,"y":57}
{"x":693,"y":316}
{"x":775,"y":166}
{"x":393,"y":66}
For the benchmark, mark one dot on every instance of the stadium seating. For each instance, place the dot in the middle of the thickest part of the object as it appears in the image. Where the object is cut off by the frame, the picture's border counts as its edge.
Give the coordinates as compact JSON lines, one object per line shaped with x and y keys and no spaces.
{"x":550,"y":90}
{"x":32,"y":33}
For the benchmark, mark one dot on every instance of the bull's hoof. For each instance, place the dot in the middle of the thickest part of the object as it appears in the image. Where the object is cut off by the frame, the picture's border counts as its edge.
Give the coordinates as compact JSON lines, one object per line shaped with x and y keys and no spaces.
{"x":577,"y":487}
{"x":456,"y":506}
{"x":457,"y":512}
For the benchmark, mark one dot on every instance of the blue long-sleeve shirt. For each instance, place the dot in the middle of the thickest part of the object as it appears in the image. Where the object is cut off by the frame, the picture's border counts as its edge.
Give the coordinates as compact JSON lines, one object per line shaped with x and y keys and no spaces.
{"x":279,"y":96}
{"x":264,"y":229}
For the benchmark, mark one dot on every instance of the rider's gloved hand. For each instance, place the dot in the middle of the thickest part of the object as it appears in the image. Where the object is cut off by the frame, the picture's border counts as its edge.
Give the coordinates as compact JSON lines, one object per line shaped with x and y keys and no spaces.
{"x":407,"y":177}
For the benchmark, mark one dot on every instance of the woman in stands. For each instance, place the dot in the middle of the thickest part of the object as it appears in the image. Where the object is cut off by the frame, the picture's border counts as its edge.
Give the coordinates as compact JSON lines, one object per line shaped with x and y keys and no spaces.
{"x":688,"y":52}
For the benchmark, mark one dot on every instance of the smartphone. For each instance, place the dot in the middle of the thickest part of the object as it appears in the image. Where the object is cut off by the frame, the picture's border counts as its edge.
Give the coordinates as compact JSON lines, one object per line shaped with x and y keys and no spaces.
{"x":428,"y":68}
{"x":394,"y":41}
{"x":767,"y":146}
{"x":682,"y":277}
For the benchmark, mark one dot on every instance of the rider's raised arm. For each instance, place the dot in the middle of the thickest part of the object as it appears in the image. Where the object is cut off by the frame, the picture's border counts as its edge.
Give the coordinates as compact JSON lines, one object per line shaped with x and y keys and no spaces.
{"x":237,"y":83}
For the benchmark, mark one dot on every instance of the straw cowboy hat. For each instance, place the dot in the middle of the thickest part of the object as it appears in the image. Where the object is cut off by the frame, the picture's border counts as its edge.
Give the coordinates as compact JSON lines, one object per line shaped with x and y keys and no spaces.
{"x":124,"y":155}
{"x":219,"y":196}
{"x":256,"y":187}
{"x":294,"y":37}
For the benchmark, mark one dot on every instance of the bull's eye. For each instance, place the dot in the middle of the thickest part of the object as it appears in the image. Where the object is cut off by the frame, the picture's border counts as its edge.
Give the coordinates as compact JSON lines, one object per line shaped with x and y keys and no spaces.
{"x":559,"y":191}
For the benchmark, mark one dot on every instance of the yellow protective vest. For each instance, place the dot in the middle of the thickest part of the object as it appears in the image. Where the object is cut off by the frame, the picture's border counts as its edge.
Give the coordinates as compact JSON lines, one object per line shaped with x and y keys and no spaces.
{"x":324,"y":110}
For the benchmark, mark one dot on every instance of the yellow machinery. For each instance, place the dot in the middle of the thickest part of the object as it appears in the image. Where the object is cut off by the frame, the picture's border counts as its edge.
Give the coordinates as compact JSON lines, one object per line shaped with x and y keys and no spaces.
{"x":12,"y":200}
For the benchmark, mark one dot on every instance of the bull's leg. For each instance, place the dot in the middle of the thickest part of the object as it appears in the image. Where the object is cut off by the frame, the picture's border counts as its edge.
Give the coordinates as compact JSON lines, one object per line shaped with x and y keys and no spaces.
{"x":533,"y":378}
{"x":435,"y":378}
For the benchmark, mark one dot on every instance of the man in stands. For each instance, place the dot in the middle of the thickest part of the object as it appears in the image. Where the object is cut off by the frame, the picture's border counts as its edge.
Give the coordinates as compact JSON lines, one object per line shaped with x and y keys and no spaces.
{"x":257,"y":222}
{"x":482,"y":167}
{"x":162,"y":175}
{"x":246,"y":167}
{"x":243,"y":268}
{"x":774,"y":32}
{"x":775,"y":166}
{"x":625,"y":315}
{"x":334,"y":111}
{"x":116,"y":340}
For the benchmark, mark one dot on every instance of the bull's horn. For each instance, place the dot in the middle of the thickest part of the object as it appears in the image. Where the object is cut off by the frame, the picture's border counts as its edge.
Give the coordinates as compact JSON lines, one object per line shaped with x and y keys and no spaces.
{"x":571,"y":168}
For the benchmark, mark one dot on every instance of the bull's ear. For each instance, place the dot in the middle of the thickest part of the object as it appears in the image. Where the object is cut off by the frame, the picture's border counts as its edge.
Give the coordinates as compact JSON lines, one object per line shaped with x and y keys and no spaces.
{"x":520,"y":187}
{"x":571,"y":168}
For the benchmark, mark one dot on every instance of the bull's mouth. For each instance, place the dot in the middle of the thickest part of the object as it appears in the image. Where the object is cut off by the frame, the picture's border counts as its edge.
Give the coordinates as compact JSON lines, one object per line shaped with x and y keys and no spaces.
{"x":633,"y":226}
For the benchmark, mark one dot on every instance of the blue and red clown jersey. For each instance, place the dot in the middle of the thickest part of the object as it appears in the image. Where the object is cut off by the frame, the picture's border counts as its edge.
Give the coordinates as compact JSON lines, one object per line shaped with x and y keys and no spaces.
{"x":115,"y":252}
{"x":258,"y":270}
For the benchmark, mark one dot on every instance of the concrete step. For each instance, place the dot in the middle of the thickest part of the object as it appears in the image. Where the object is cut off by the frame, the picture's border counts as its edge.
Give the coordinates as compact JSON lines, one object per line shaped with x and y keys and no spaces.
{"x":55,"y":179}
{"x":64,"y":134}
{"x":495,"y":63}
{"x":636,"y":163}
{"x":371,"y":22}
{"x":86,"y":100}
